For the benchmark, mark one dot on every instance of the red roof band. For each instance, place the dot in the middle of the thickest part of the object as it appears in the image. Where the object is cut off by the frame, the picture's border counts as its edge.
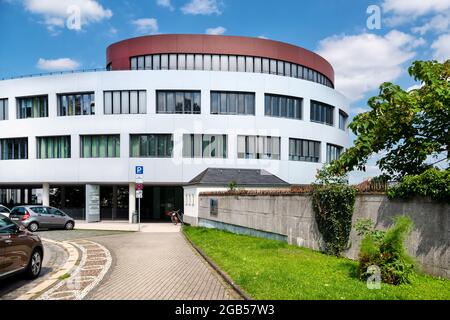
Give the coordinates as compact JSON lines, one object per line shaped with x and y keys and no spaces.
{"x":119,"y":53}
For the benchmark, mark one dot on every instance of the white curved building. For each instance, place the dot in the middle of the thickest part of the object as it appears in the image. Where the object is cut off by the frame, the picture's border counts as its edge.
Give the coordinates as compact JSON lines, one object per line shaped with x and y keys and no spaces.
{"x":175,"y":104}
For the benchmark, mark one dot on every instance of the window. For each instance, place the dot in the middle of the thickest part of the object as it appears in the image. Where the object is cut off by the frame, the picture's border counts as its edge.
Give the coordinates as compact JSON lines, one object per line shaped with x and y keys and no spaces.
{"x":32,"y":107}
{"x":13,"y":148}
{"x":237,"y":103}
{"x":265,"y":66}
{"x":257,"y":147}
{"x":53,"y":147}
{"x":125,"y":102}
{"x":183,"y":61}
{"x":258,"y":65}
{"x":333,"y":152}
{"x":148,"y":62}
{"x":204,"y":146}
{"x":188,"y":102}
{"x":3,"y":109}
{"x":140,"y":63}
{"x":156,"y":63}
{"x":249,"y":66}
{"x":322,"y":112}
{"x":304,"y":150}
{"x":198,"y":62}
{"x":216,"y":63}
{"x":173,"y":62}
{"x":100,"y":146}
{"x":223,"y":63}
{"x":76,"y":104}
{"x":151,"y":146}
{"x":342,"y":120}
{"x":164,"y":62}
{"x":233,"y":63}
{"x":241,"y":64}
{"x":189,"y":62}
{"x":283,"y":106}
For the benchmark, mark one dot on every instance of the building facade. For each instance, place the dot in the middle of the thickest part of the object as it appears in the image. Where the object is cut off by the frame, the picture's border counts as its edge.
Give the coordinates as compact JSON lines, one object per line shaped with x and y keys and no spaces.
{"x":177,"y":105}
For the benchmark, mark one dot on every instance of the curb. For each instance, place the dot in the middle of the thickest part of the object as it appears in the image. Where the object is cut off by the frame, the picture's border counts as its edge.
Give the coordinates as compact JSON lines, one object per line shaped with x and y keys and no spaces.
{"x":216,"y":268}
{"x":72,"y":259}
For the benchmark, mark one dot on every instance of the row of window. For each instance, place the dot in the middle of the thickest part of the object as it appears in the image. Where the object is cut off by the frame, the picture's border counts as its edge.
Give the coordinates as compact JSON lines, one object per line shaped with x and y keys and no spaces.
{"x":283,"y":106}
{"x":161,"y":146}
{"x":125,"y":102}
{"x":188,"y":102}
{"x":207,"y":62}
{"x":175,"y":102}
{"x":232,"y":103}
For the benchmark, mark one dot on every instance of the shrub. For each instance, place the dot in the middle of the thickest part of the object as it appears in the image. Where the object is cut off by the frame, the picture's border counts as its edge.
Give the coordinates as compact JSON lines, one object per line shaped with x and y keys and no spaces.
{"x":333,"y":206}
{"x":432,"y":183}
{"x":387,"y":251}
{"x":232,"y":186}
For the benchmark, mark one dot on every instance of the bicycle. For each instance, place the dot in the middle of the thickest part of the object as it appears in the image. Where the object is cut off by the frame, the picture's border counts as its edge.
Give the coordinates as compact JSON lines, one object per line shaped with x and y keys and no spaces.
{"x":175,"y":217}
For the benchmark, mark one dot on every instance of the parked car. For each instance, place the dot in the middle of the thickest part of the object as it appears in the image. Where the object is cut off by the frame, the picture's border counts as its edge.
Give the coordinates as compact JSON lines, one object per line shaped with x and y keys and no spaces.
{"x":4,"y":211}
{"x":20,"y":250}
{"x":41,"y":217}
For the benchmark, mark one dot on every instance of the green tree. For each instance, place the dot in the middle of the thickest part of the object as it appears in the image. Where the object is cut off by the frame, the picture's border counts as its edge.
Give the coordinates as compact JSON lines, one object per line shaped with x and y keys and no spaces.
{"x":405,"y":128}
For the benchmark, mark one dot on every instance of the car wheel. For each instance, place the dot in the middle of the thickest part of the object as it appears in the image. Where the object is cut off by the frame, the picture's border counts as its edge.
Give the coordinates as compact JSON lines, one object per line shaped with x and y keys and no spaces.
{"x":69,"y":225}
{"x":33,"y":227}
{"x":35,"y":265}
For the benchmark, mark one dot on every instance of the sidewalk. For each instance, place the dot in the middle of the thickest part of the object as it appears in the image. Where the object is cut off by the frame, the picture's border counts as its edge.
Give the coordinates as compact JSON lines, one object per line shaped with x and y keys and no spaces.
{"x":158,"y":266}
{"x":125,"y":226}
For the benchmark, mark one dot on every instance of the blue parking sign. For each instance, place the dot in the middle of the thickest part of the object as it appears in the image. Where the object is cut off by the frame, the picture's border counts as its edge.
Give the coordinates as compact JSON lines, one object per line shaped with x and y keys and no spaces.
{"x":139,"y":170}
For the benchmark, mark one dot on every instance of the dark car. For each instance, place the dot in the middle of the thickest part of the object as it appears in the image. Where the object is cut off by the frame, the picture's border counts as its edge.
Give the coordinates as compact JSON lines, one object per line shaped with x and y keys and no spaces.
{"x":20,"y":250}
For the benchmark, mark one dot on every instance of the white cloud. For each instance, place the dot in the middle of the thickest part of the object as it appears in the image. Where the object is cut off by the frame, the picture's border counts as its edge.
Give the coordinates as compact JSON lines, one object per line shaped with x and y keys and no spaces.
{"x":113,"y":31}
{"x":263,"y":37}
{"x":216,"y":31}
{"x":60,"y":64}
{"x":414,"y":87}
{"x":362,"y":62}
{"x":55,"y":13}
{"x":148,"y":26}
{"x":166,"y":4}
{"x":439,"y":23}
{"x":415,"y":8}
{"x":441,"y":48}
{"x":202,"y":7}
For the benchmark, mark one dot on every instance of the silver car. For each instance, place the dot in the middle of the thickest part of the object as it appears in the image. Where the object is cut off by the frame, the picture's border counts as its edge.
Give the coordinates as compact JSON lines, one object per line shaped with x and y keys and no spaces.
{"x":4,"y":211}
{"x":41,"y":217}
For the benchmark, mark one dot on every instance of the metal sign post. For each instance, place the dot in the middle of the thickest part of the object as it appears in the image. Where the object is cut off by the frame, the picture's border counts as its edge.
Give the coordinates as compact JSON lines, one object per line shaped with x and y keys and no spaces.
{"x":139,"y":191}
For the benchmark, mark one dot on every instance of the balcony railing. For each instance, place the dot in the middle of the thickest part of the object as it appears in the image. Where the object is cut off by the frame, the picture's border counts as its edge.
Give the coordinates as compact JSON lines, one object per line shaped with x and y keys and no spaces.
{"x":43,"y":74}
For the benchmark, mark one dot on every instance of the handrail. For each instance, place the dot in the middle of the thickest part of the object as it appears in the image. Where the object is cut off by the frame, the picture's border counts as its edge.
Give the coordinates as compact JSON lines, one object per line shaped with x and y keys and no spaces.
{"x":43,"y":74}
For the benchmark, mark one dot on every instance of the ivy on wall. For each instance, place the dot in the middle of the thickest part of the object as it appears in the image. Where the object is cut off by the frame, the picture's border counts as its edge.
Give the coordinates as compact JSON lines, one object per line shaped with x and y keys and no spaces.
{"x":333,"y":203}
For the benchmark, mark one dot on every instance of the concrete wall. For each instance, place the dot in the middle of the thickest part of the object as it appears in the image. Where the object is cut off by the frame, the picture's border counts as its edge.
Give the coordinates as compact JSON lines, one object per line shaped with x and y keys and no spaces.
{"x":293,"y":216}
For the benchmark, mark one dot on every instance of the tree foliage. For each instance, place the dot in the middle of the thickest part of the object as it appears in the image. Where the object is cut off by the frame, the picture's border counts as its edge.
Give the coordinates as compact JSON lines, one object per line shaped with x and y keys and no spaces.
{"x":405,"y":128}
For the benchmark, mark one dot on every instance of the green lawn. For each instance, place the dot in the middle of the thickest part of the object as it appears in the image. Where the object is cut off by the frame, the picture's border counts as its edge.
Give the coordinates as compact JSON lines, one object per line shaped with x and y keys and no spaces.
{"x":274,"y":270}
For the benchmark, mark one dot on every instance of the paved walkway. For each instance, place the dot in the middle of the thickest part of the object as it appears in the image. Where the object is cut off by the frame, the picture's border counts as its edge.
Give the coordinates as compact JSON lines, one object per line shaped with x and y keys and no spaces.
{"x":125,"y":226}
{"x":158,"y":266}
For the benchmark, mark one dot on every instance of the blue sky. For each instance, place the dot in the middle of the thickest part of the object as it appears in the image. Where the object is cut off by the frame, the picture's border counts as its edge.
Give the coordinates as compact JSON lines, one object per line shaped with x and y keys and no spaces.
{"x":38,"y":40}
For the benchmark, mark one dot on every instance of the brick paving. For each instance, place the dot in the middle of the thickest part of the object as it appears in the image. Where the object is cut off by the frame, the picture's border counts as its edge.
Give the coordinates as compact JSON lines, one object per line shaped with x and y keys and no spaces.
{"x":95,"y":263}
{"x":158,"y":266}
